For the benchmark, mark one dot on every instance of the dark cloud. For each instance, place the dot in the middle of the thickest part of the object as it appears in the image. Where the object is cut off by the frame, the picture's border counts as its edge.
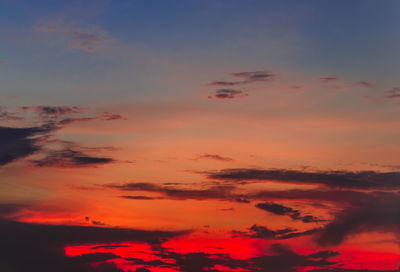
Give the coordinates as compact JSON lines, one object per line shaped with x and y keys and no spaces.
{"x":39,"y":247}
{"x":17,"y":143}
{"x":380,"y":212}
{"x":140,"y":197}
{"x":68,"y":158}
{"x":280,"y":258}
{"x":214,"y":157}
{"x":262,"y":232}
{"x":342,"y":197}
{"x":98,"y":223}
{"x":242,"y":200}
{"x":228,"y":94}
{"x":246,"y":77}
{"x":20,"y":142}
{"x":393,"y":93}
{"x":111,"y":116}
{"x":328,"y":79}
{"x":54,"y":113}
{"x":279,"y":209}
{"x":222,"y":192}
{"x":57,"y":110}
{"x":95,"y":257}
{"x":341,"y":179}
{"x":8,"y":209}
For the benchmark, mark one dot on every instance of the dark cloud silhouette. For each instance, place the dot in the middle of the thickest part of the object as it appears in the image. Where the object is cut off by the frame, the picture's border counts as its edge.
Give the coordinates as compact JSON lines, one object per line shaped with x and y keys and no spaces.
{"x":280,"y":258}
{"x":367,"y":180}
{"x":96,"y":257}
{"x":17,"y":143}
{"x":214,"y":157}
{"x":111,"y":116}
{"x":39,"y":247}
{"x":246,"y":78}
{"x":222,"y":192}
{"x":140,"y":197}
{"x":68,"y":158}
{"x":54,"y":111}
{"x":9,"y":209}
{"x":242,"y":200}
{"x":262,"y":232}
{"x":228,"y":94}
{"x":20,"y":142}
{"x":279,"y":209}
{"x":379,"y":212}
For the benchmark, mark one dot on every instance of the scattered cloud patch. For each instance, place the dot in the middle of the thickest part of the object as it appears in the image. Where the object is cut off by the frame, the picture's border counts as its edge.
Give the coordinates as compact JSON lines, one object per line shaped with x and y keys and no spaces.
{"x":328,"y":79}
{"x":228,"y":94}
{"x":279,"y":209}
{"x":367,"y":180}
{"x":68,"y":158}
{"x":215,"y":157}
{"x":246,"y":78}
{"x":393,"y":93}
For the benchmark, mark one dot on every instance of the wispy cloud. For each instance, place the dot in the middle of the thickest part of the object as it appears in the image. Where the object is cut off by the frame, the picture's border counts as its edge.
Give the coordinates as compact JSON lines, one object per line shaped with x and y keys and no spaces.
{"x":228,"y":94}
{"x":81,"y":38}
{"x":393,"y":93}
{"x":279,"y":209}
{"x":215,"y":157}
{"x":328,"y":79}
{"x":246,"y":78}
{"x":367,"y":180}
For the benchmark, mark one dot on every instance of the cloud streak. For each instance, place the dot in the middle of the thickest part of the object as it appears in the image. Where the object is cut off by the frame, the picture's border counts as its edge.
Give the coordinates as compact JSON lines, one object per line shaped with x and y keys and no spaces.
{"x":279,"y":209}
{"x":367,"y":180}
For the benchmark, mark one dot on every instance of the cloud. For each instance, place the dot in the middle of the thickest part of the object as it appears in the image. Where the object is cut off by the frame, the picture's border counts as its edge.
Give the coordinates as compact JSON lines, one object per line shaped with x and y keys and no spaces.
{"x":393,"y":93}
{"x":279,"y":258}
{"x":380,"y":212}
{"x":95,"y":257}
{"x":9,"y":116}
{"x":328,"y":79}
{"x":53,"y":111}
{"x":222,"y":192}
{"x":10,"y":209}
{"x":68,"y":158}
{"x":367,"y":180}
{"x":111,"y":116}
{"x":242,"y":200}
{"x":39,"y":247}
{"x":246,"y":78}
{"x":261,"y":232}
{"x":365,"y":84}
{"x":279,"y":209}
{"x":215,"y":157}
{"x":87,"y":40}
{"x":228,"y":94}
{"x":17,"y":143}
{"x":140,"y":197}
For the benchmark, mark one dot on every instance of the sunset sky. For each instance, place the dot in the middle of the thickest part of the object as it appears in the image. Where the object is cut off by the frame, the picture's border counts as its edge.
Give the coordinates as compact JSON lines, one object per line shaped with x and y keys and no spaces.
{"x":199,"y":135}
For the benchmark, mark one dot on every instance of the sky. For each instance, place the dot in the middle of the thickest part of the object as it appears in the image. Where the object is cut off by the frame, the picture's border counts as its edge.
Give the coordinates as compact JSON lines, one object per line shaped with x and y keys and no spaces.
{"x":192,"y":136}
